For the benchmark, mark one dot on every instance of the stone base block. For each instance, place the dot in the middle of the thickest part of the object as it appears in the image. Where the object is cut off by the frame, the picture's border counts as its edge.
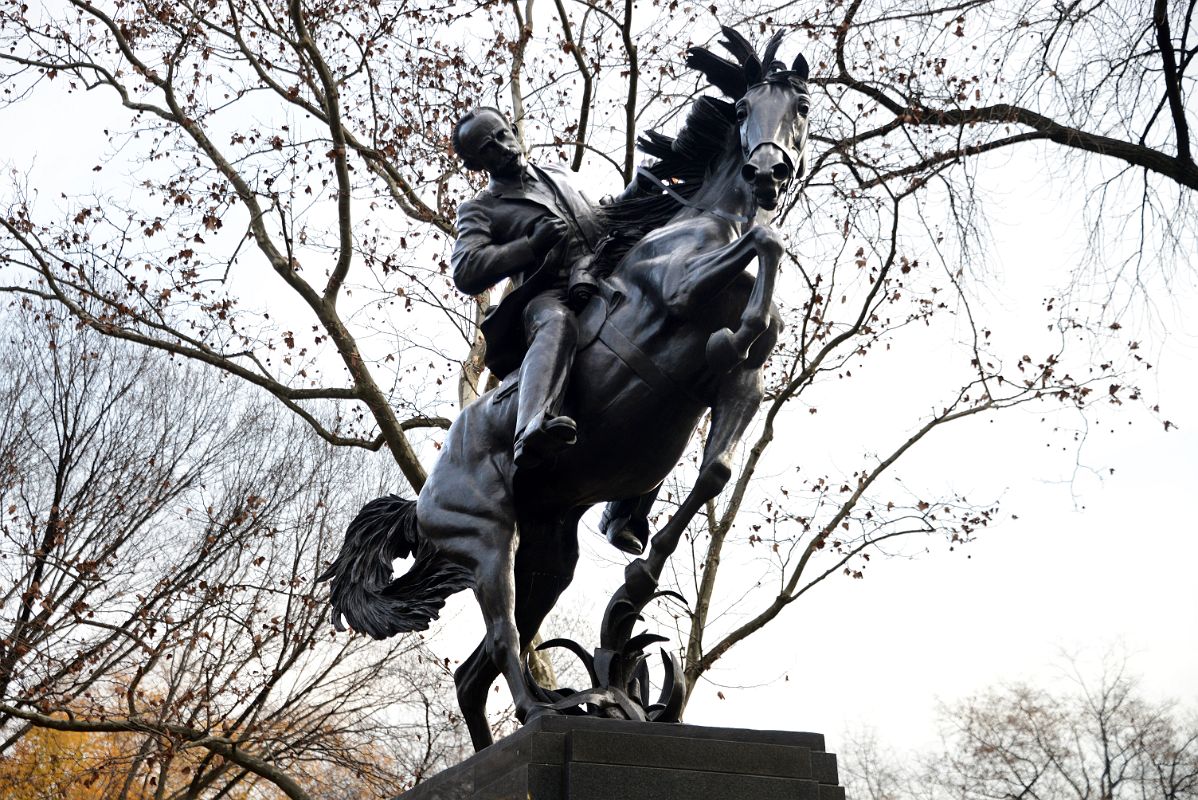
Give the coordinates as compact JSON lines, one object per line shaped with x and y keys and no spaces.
{"x":585,"y":758}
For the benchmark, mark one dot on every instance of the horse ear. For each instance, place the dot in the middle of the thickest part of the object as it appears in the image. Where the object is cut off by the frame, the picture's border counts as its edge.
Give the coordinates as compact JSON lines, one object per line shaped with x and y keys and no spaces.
{"x":800,"y":66}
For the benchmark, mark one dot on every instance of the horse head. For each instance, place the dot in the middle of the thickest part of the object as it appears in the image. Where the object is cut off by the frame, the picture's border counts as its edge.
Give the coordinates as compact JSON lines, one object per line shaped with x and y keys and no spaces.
{"x":772,"y":103}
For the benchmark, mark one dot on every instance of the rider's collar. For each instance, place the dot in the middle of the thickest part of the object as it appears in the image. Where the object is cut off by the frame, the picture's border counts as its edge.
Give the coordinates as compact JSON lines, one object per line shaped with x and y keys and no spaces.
{"x":501,"y":185}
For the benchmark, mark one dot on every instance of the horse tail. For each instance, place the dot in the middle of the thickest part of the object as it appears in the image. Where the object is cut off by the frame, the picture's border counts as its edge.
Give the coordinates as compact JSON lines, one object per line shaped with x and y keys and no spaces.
{"x":363,"y":594}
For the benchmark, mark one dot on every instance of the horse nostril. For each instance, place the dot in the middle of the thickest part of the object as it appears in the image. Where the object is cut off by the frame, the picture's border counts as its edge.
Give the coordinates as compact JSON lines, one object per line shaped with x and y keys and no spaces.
{"x":749,"y":173}
{"x":781,"y":172}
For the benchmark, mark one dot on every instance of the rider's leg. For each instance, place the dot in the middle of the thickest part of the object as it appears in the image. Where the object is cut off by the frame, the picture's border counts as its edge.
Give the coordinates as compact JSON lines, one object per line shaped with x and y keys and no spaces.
{"x":552,"y":332}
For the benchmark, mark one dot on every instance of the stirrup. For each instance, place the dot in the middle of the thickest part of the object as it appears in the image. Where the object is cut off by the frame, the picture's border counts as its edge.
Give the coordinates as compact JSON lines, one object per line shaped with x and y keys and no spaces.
{"x":544,"y":438}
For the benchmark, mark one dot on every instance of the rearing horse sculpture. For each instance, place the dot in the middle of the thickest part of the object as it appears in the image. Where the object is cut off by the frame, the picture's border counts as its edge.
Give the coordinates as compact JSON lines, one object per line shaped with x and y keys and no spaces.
{"x":680,"y":327}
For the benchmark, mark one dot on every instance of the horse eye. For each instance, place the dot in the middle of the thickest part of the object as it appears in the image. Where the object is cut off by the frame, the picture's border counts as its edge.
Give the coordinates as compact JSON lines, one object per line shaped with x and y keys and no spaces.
{"x":742,"y":113}
{"x":804,"y":109}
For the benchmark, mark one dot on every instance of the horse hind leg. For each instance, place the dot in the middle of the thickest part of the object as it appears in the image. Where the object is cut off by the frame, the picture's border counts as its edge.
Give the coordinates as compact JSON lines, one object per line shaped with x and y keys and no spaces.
{"x":496,"y":593}
{"x":477,"y":529}
{"x":536,"y":578}
{"x":473,"y":681}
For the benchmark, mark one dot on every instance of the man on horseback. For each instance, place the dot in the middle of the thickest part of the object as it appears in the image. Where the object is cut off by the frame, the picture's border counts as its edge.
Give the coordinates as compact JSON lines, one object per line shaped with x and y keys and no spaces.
{"x":531,"y":226}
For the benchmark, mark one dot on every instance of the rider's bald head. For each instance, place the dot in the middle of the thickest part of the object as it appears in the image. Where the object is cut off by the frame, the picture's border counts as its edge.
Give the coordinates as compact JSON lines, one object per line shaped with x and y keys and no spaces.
{"x":462,"y":142}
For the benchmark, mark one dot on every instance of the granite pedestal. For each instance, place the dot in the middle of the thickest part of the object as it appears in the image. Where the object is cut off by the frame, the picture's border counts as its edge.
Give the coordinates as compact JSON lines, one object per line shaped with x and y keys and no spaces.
{"x":585,"y":758}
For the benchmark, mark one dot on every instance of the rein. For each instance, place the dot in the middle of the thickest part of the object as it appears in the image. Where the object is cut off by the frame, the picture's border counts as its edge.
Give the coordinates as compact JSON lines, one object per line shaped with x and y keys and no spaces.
{"x":741,"y":219}
{"x":716,"y":212}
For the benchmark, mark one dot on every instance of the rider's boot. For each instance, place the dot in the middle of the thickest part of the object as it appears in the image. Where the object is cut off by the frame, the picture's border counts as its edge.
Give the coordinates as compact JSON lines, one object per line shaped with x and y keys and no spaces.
{"x":625,"y":523}
{"x":543,"y":438}
{"x":623,"y":534}
{"x":553,"y":334}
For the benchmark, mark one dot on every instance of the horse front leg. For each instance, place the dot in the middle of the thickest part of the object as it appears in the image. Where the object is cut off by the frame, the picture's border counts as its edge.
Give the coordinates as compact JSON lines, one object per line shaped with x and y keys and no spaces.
{"x":727,"y":348}
{"x":738,"y":398}
{"x":705,"y":276}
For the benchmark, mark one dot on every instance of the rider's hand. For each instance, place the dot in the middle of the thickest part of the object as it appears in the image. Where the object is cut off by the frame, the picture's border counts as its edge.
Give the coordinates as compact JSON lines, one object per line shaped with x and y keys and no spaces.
{"x":546,"y":234}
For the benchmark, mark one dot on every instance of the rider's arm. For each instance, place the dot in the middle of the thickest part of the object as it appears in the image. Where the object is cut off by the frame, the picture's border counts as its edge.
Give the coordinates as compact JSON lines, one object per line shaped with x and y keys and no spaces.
{"x":478,"y":263}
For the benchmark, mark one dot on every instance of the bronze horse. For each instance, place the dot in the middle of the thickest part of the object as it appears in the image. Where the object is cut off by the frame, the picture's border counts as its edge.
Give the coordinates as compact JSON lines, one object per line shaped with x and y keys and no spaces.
{"x":679,"y":327}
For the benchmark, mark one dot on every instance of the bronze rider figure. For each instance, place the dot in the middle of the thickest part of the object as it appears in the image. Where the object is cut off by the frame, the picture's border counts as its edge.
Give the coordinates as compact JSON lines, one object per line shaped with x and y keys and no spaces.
{"x":531,"y":226}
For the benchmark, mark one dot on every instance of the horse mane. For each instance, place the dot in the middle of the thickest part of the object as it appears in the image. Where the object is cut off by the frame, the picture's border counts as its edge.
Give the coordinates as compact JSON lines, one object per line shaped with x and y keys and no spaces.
{"x":683,"y":161}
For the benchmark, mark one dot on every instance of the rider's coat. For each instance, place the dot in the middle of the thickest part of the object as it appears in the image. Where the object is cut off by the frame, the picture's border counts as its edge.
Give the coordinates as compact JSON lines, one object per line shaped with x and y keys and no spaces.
{"x":492,"y":244}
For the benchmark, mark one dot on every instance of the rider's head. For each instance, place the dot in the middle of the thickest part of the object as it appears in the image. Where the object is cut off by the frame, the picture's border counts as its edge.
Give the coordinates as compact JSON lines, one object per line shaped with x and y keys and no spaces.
{"x":484,"y":140}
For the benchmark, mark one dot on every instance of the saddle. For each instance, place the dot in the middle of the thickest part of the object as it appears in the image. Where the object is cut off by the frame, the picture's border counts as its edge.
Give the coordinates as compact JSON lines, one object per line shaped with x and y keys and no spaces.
{"x":591,"y":320}
{"x":594,"y":326}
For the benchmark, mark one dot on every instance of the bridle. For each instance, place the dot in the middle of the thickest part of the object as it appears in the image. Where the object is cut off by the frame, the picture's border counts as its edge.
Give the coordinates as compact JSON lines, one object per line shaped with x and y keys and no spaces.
{"x":746,"y":154}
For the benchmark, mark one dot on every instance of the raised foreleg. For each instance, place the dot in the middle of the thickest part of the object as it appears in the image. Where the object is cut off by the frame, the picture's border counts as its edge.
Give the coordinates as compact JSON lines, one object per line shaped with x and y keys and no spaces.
{"x":706,"y":275}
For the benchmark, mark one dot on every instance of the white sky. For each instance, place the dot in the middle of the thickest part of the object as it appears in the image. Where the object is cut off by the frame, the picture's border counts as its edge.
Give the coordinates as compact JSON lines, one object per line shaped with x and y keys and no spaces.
{"x":1090,"y":564}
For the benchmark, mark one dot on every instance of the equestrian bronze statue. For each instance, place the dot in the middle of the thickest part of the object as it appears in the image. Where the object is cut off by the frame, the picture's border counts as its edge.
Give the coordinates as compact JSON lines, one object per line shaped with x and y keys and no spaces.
{"x":676,"y":326}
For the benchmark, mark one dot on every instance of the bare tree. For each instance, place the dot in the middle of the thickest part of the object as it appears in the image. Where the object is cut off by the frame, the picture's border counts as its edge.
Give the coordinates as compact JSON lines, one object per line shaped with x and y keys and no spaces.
{"x":1105,"y":85}
{"x":1101,"y":740}
{"x":160,"y":541}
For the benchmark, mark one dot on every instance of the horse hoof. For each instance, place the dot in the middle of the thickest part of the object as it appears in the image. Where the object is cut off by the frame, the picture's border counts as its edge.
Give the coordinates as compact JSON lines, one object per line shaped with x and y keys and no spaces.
{"x":722,"y":352}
